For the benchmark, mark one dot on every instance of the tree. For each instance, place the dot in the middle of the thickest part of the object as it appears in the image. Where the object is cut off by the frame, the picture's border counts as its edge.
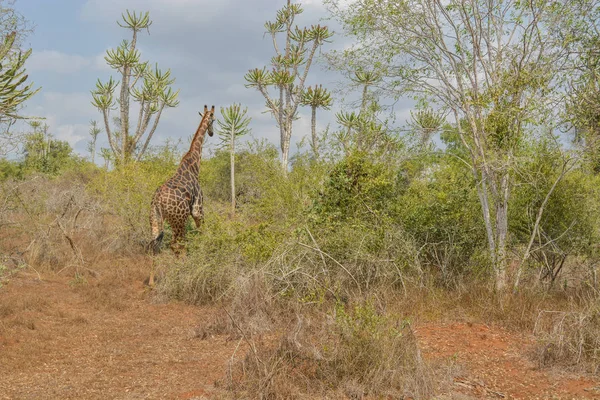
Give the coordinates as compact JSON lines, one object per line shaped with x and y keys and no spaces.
{"x":583,"y":104}
{"x":234,"y":124}
{"x":363,"y":130}
{"x":106,"y":156}
{"x":424,"y":123}
{"x":14,"y":91}
{"x":94,"y":132}
{"x":149,"y":87}
{"x":286,"y":75}
{"x":316,"y":98}
{"x":45,"y":154}
{"x":493,"y":65}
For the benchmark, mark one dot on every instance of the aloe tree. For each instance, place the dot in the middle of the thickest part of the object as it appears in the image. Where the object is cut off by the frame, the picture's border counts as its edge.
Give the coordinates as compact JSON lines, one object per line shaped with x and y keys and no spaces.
{"x":289,"y":70}
{"x":14,"y":90}
{"x":94,"y":132}
{"x":350,"y":122}
{"x":425,"y":123}
{"x":234,"y":124}
{"x":106,"y":155}
{"x":149,"y":87}
{"x":12,"y":77}
{"x":365,"y":79}
{"x":316,"y":98}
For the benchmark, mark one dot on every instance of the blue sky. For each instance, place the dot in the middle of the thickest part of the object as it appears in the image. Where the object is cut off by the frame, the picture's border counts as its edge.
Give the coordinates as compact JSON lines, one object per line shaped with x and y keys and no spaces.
{"x":208,"y":45}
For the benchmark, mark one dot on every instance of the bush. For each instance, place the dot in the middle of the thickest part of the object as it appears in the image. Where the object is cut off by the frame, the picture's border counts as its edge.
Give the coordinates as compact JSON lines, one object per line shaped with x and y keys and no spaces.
{"x":440,"y":210}
{"x":350,"y":351}
{"x":126,"y":194}
{"x":570,"y":338}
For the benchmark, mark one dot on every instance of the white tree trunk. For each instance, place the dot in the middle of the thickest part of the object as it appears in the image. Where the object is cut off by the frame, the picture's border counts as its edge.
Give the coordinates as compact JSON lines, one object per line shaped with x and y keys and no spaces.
{"x":285,"y":145}
{"x":502,"y":233}
{"x":232,"y":159}
{"x":313,"y":128}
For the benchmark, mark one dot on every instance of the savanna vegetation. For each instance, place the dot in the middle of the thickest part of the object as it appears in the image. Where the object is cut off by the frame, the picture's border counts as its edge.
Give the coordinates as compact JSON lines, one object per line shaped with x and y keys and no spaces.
{"x":483,"y":206}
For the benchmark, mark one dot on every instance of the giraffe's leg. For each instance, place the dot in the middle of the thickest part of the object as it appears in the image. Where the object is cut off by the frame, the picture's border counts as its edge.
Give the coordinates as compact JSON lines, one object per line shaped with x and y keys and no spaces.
{"x":156,"y":225}
{"x":197,"y":211}
{"x":178,"y":228}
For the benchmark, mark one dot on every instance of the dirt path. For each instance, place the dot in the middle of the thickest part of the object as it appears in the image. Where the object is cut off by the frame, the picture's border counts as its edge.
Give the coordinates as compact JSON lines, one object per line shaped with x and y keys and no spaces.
{"x":104,"y":340}
{"x":497,"y":364}
{"x":64,"y":342}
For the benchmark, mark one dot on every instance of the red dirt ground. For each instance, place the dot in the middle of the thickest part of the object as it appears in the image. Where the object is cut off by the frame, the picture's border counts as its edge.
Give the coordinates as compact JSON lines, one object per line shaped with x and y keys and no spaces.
{"x":497,"y":364}
{"x":60,"y":339}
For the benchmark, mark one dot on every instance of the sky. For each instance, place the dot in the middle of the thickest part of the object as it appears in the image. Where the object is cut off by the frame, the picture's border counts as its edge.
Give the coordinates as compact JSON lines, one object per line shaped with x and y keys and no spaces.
{"x":208,"y":45}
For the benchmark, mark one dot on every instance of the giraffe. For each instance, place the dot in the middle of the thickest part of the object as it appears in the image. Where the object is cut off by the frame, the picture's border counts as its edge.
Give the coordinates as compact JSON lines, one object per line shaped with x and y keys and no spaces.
{"x":180,"y":195}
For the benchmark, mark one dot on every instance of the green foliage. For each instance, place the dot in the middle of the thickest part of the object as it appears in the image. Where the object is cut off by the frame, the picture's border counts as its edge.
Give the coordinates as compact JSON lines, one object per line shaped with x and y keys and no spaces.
{"x":570,"y":220}
{"x":127,"y":192}
{"x":262,"y":189}
{"x":43,"y":154}
{"x":357,"y":188}
{"x":10,"y":169}
{"x":234,"y":123}
{"x":13,"y":91}
{"x":47,"y":155}
{"x":439,"y":207}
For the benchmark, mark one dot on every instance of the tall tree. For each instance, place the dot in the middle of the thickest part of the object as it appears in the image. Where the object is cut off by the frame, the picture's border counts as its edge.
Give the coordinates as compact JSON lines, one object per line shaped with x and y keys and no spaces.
{"x":583,"y":105}
{"x":106,"y":155}
{"x":234,"y":124}
{"x":14,"y":89}
{"x":94,"y":132}
{"x":286,"y":75}
{"x":491,"y":64}
{"x":149,"y":87}
{"x":316,"y":98}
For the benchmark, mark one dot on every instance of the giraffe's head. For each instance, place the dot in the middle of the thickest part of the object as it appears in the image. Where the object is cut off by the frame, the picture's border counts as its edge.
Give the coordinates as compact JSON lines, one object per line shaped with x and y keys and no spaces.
{"x":211,"y":118}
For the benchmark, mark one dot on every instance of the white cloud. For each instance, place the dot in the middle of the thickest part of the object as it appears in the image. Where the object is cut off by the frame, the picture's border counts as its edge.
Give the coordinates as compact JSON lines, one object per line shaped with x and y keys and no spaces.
{"x":62,"y":63}
{"x":66,"y":114}
{"x":318,"y":4}
{"x":72,"y":133}
{"x":180,"y":11}
{"x":76,"y":104}
{"x":57,"y":62}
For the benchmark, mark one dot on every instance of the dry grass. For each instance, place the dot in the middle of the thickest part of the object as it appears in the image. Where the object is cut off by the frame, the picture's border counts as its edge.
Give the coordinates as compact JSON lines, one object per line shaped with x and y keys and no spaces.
{"x":569,"y":339}
{"x":57,"y":225}
{"x":297,"y":348}
{"x":354,"y":354}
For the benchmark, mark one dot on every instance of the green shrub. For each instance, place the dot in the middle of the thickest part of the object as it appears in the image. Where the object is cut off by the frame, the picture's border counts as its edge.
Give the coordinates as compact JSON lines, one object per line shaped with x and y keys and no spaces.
{"x":440,"y":210}
{"x":126,"y":194}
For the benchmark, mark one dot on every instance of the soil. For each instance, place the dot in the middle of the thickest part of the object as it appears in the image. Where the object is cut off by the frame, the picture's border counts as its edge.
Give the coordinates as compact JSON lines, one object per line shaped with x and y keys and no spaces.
{"x":499,"y":364}
{"x":106,"y":337}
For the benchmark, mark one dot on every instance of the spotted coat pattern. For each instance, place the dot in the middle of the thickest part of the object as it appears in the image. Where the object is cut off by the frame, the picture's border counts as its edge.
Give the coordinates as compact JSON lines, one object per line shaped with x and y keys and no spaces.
{"x":180,"y":196}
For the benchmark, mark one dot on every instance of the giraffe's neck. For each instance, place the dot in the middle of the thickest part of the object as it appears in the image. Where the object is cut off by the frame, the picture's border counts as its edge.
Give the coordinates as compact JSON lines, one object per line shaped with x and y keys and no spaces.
{"x":190,"y":163}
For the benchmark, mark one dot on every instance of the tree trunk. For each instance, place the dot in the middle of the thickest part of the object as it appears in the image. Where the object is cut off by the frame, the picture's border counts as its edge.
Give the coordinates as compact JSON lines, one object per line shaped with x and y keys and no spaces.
{"x":285,"y":150}
{"x":232,"y":158}
{"x":485,"y":208}
{"x":285,"y":144}
{"x":124,"y":104}
{"x":502,"y":232}
{"x":313,"y":127}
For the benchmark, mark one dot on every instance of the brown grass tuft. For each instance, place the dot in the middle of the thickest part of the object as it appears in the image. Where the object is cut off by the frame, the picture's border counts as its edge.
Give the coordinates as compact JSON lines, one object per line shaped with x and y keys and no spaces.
{"x":569,"y":339}
{"x":353,"y":352}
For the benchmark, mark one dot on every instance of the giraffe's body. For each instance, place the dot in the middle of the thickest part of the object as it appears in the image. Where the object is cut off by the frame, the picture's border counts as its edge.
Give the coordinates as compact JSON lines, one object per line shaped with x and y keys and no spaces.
{"x":180,"y":196}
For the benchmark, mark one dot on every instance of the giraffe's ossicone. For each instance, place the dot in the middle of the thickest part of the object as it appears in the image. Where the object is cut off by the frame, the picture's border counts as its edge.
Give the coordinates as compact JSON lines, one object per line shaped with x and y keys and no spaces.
{"x":180,"y":196}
